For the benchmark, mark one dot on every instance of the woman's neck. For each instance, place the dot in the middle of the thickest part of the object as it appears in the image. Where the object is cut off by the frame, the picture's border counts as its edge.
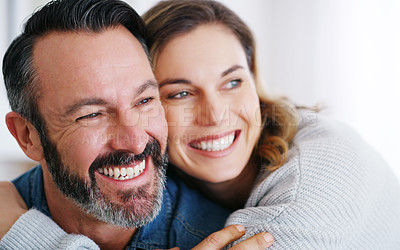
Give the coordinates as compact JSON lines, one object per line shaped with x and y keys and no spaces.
{"x":231,"y":194}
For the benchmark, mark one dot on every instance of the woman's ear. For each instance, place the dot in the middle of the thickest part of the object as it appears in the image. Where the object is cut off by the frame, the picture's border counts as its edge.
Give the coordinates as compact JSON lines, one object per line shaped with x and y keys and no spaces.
{"x":26,"y":135}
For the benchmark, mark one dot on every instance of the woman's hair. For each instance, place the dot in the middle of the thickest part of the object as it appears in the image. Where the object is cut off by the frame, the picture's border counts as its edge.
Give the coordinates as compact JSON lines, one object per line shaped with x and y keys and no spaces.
{"x":170,"y":19}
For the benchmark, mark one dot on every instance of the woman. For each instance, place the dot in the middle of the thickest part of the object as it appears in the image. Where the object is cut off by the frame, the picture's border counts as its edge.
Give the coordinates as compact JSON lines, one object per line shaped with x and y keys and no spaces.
{"x":204,"y":59}
{"x":309,"y":181}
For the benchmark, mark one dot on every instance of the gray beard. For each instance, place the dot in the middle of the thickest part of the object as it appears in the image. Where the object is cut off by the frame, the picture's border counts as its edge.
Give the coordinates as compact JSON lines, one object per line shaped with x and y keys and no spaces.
{"x":140,"y":204}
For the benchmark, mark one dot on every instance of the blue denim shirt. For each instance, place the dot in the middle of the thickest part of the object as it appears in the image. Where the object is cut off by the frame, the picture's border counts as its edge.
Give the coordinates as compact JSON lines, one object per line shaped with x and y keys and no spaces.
{"x":186,"y":217}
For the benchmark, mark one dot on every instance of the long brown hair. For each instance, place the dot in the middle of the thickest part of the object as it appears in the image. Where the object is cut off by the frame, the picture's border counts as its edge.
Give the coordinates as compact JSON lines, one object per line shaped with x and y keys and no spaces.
{"x":169,"y":19}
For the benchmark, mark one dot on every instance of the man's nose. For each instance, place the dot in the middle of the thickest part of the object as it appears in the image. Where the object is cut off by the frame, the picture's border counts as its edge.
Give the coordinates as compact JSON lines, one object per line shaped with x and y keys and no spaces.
{"x":128,"y":134}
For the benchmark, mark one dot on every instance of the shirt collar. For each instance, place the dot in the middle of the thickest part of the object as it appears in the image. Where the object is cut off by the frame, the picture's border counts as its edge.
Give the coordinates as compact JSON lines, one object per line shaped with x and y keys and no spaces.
{"x":155,"y":234}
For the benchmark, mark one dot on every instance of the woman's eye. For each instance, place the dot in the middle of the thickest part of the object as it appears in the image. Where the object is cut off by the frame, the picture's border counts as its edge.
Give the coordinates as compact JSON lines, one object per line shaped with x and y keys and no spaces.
{"x":89,"y":116}
{"x":179,"y":95}
{"x":144,"y":101}
{"x":232,"y":84}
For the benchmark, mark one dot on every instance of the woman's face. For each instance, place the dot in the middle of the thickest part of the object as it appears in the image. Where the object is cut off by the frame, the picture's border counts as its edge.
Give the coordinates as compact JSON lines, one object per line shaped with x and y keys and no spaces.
{"x":211,"y":103}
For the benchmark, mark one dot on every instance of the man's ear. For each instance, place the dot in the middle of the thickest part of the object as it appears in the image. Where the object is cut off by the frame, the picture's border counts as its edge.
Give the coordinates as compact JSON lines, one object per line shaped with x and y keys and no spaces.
{"x":26,"y":135}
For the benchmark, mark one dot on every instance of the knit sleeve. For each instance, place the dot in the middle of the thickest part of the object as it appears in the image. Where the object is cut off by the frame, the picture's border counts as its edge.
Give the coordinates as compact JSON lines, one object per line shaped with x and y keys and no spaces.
{"x":34,"y":230}
{"x":334,"y":192}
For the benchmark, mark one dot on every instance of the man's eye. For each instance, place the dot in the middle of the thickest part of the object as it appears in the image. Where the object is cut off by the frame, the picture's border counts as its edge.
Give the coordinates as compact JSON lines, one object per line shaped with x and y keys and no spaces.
{"x":144,"y":101}
{"x":233,"y":84}
{"x":89,"y":116}
{"x":179,"y":95}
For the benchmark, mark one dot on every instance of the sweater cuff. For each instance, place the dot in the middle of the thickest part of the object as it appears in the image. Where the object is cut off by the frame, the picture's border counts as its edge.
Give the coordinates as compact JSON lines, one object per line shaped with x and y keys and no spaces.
{"x":34,"y":230}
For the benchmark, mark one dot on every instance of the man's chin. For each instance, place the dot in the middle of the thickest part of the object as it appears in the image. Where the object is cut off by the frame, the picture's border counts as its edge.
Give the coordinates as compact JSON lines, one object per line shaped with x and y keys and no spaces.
{"x":127,"y":203}
{"x":128,"y":208}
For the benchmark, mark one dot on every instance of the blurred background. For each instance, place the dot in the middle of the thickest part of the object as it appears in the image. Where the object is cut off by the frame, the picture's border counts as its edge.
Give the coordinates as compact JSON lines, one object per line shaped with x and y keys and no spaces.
{"x":342,"y":54}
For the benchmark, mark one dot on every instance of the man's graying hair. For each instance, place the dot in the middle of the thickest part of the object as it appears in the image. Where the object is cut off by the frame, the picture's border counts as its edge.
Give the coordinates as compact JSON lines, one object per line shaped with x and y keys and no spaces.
{"x":91,"y":16}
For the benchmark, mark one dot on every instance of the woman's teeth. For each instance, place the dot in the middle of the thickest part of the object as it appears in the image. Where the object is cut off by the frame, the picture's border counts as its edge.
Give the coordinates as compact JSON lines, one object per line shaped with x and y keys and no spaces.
{"x":123,"y":173}
{"x":215,"y":145}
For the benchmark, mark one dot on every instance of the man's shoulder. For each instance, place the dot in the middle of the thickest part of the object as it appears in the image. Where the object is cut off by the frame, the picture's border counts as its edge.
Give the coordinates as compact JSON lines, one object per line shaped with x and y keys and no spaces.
{"x":191,"y":212}
{"x":185,"y":219}
{"x":182,"y":197}
{"x":30,"y":187}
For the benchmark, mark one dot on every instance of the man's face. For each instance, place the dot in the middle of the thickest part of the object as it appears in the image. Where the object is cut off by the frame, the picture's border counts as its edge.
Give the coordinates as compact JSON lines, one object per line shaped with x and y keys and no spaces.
{"x":106,"y":130}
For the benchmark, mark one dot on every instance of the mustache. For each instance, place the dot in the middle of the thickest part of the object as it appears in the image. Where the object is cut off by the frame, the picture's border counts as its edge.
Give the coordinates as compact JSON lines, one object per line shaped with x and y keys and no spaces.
{"x":123,"y":158}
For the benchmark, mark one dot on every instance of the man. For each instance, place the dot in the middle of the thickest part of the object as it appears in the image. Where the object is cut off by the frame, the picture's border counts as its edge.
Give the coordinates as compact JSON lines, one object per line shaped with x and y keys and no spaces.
{"x":86,"y":106}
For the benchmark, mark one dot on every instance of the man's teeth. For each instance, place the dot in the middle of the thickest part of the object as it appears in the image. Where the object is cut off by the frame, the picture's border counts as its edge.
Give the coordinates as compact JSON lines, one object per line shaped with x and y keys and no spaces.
{"x":123,"y":173}
{"x":215,"y":145}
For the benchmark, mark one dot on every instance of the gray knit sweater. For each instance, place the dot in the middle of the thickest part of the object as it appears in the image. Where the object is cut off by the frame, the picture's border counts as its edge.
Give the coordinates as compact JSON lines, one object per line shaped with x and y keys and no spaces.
{"x":34,"y":230}
{"x":334,"y":192}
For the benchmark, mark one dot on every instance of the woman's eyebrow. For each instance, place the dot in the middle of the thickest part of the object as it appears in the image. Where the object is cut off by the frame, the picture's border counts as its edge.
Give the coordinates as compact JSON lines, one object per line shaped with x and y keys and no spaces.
{"x":184,"y":81}
{"x":231,"y":69}
{"x":174,"y":81}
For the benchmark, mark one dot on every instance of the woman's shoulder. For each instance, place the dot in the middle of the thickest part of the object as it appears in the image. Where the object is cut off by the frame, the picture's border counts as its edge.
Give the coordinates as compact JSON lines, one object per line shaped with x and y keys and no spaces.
{"x":333,"y":186}
{"x":325,"y":140}
{"x":314,"y":127}
{"x":326,"y":159}
{"x":323,"y":144}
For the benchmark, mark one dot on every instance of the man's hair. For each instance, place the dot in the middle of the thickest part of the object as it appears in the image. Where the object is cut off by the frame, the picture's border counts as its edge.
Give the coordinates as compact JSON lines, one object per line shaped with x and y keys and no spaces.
{"x":90,"y":16}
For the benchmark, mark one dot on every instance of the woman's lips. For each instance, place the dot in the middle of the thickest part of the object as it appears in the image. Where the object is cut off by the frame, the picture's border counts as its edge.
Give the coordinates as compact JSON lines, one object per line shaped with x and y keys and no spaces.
{"x":215,"y":143}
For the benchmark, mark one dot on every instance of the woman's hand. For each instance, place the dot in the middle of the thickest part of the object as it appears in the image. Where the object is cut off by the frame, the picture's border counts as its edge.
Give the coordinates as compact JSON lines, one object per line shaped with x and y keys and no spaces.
{"x":12,"y":206}
{"x":231,"y":233}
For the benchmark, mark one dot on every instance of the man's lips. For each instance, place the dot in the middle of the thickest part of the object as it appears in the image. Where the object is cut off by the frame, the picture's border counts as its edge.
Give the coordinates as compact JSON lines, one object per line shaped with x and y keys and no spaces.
{"x":218,"y":142}
{"x":124,"y":173}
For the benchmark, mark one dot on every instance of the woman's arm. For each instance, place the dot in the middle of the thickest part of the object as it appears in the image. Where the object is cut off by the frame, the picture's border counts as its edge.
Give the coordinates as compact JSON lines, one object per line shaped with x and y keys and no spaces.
{"x":30,"y":229}
{"x":334,"y":192}
{"x":11,"y":207}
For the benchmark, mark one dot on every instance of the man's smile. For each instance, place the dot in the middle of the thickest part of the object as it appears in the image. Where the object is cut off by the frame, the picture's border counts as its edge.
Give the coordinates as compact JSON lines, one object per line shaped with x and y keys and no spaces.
{"x":123,"y":173}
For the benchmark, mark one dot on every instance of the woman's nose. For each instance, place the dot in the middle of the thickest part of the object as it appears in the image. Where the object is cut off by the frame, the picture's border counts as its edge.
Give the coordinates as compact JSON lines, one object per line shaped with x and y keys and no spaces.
{"x":211,"y":111}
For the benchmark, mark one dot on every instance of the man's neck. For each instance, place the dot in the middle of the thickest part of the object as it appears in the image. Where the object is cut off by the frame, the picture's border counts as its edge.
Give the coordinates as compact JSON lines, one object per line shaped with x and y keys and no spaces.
{"x":73,"y":220}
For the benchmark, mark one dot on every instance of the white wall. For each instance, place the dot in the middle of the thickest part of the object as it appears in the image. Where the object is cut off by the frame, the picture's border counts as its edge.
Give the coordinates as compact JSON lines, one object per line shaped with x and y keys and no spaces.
{"x":342,"y":53}
{"x":12,"y":159}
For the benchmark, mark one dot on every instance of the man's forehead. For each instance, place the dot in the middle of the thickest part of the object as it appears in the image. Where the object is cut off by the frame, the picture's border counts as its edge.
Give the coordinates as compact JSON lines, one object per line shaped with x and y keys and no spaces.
{"x":83,"y":48}
{"x":83,"y":65}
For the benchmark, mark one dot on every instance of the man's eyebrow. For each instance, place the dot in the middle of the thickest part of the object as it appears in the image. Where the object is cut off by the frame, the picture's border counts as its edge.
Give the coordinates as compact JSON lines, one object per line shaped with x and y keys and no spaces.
{"x":231,"y":69}
{"x":99,"y":101}
{"x":84,"y":102}
{"x":174,"y":81}
{"x":148,"y":84}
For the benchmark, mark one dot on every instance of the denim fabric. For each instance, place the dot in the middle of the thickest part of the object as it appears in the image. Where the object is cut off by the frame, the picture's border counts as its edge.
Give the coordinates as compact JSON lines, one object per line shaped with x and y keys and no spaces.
{"x":186,"y":217}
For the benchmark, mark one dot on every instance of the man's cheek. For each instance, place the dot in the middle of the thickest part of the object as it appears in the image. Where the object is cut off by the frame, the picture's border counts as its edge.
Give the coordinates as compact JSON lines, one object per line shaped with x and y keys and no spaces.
{"x":80,"y":153}
{"x":157,"y":127}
